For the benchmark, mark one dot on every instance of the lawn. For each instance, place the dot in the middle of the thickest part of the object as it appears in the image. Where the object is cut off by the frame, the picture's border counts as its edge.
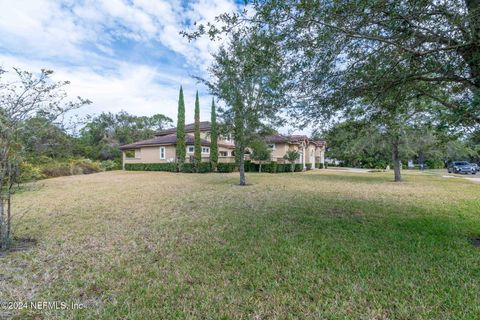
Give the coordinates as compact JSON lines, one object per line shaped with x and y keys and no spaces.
{"x":317,"y":245}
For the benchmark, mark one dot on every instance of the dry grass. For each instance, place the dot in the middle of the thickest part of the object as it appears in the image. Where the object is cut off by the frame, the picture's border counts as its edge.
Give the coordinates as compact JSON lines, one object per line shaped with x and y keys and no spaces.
{"x":320,"y":244}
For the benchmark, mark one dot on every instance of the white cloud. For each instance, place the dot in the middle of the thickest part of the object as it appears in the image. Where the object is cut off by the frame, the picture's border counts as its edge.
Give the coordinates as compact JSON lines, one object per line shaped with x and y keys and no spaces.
{"x":77,"y":39}
{"x":61,"y":35}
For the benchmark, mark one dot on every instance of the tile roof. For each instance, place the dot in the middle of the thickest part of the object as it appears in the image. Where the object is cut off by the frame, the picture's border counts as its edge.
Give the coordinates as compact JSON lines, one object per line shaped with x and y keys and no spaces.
{"x":293,"y":139}
{"x":164,"y":140}
{"x":204,"y":126}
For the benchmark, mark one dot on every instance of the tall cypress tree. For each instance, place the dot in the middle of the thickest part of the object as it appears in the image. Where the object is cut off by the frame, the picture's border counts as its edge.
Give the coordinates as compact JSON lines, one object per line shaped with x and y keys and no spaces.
{"x":198,"y":146}
{"x":213,"y":137}
{"x":181,"y":148}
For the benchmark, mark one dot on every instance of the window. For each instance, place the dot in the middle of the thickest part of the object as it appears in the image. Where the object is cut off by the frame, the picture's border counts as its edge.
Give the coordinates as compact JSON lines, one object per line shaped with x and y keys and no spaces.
{"x":205,"y":150}
{"x":228,"y":138}
{"x":190,"y":149}
{"x":162,"y":152}
{"x":130,"y":154}
{"x":223,"y":153}
{"x":271,"y":146}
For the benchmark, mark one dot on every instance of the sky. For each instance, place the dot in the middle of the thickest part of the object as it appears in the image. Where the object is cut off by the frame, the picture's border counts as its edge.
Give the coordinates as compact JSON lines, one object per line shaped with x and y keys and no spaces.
{"x":121,"y":54}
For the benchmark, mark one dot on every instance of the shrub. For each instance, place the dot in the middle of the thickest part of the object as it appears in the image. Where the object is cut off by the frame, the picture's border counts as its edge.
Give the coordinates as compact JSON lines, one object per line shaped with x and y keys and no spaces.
{"x":226,"y":167}
{"x":84,"y":166}
{"x":29,"y":172}
{"x":170,"y":167}
{"x":56,"y":170}
{"x":187,"y":168}
{"x":298,"y":167}
{"x":435,"y":164}
{"x":204,"y":167}
{"x":254,"y":167}
{"x":134,"y":166}
{"x":270,"y":167}
{"x":246,"y":165}
{"x":309,"y":166}
{"x":283,"y":167}
{"x":109,"y":165}
{"x":319,"y":165}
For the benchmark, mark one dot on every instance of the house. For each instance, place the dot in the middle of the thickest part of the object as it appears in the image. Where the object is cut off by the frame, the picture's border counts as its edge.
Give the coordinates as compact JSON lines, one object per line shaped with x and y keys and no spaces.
{"x":311,"y":151}
{"x":162,"y":148}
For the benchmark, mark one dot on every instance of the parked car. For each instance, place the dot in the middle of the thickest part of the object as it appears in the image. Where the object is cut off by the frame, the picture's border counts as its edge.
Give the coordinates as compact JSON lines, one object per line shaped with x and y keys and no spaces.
{"x":461,"y":167}
{"x":475,"y":167}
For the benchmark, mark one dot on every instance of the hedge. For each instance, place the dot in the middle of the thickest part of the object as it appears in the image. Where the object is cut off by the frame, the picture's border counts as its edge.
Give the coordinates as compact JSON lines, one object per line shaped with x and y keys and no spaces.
{"x":204,"y":167}
{"x":171,"y":167}
{"x":283,"y":167}
{"x":226,"y":167}
{"x":246,"y":165}
{"x":187,"y":168}
{"x":270,"y":167}
{"x":253,"y":167}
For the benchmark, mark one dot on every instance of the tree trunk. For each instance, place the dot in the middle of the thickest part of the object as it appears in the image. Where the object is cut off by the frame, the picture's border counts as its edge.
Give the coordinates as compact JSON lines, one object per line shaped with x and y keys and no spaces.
{"x":421,"y":160}
{"x":1,"y":225}
{"x":292,"y":166}
{"x":396,"y":160}
{"x":241,"y":165}
{"x":9,"y":218}
{"x":260,"y":167}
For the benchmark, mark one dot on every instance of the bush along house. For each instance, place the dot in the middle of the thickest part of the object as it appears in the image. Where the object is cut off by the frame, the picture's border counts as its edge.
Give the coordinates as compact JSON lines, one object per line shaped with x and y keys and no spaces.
{"x":159,"y":153}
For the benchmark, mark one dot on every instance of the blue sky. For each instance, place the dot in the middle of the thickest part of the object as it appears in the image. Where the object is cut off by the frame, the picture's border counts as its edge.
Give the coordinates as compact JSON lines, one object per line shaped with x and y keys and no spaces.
{"x":121,"y":54}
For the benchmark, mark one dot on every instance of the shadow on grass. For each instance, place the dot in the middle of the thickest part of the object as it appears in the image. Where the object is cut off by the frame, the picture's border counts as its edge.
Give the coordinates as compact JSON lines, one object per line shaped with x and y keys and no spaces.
{"x":322,"y":257}
{"x":19,"y":245}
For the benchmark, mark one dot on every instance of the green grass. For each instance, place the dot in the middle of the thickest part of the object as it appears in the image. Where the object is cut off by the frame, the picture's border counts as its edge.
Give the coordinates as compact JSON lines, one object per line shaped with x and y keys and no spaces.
{"x":319,"y":245}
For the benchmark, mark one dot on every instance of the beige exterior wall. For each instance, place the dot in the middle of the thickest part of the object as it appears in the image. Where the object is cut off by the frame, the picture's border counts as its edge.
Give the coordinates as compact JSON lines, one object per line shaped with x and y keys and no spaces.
{"x":279,"y":151}
{"x":320,"y":154}
{"x":206,"y":135}
{"x":151,"y":155}
{"x":310,"y":154}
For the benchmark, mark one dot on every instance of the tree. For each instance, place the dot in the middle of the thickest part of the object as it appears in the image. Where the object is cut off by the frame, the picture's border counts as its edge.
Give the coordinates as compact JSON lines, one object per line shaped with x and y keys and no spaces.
{"x":103,"y":134}
{"x":292,"y":156}
{"x":213,"y":137}
{"x":249,"y":82}
{"x":260,"y":152}
{"x":197,"y":142}
{"x":29,"y":95}
{"x":43,"y":138}
{"x":431,"y":47}
{"x":181,"y":147}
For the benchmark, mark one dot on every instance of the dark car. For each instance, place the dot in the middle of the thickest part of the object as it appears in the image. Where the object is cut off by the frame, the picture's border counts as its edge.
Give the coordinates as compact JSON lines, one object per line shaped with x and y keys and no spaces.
{"x":461,"y":167}
{"x":475,"y":167}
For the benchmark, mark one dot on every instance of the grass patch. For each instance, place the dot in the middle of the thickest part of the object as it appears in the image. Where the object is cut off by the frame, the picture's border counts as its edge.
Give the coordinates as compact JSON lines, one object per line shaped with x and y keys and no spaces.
{"x":318,"y":244}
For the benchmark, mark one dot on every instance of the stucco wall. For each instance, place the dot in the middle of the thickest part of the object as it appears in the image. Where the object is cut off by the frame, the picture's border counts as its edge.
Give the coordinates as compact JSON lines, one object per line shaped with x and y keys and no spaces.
{"x":279,"y":151}
{"x":310,"y":153}
{"x":152,"y":155}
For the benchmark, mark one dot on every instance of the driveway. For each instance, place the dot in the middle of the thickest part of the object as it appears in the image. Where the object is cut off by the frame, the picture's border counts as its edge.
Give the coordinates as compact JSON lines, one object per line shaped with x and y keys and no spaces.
{"x":444,"y":173}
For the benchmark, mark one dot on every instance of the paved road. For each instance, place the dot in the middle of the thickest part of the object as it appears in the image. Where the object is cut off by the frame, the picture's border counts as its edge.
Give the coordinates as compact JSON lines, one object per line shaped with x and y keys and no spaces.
{"x":438,"y":172}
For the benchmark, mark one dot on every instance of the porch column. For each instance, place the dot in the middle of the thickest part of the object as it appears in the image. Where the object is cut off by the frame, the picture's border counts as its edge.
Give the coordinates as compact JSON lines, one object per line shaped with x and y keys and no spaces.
{"x":322,"y":157}
{"x":123,"y":160}
{"x":303,"y":157}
